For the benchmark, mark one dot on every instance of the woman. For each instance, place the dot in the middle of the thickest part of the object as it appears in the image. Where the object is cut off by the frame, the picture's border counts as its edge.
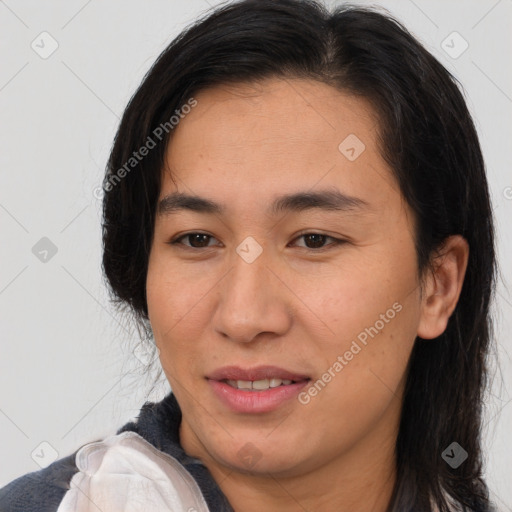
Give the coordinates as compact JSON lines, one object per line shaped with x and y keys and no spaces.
{"x":297,"y":212}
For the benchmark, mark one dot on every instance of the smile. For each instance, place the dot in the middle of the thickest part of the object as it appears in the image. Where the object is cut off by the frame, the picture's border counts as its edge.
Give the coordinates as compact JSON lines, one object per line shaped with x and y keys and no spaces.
{"x":256,"y":390}
{"x":258,"y":385}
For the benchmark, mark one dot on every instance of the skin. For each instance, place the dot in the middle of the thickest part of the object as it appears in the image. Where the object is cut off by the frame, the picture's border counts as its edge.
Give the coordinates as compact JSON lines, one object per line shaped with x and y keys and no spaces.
{"x":292,"y":307}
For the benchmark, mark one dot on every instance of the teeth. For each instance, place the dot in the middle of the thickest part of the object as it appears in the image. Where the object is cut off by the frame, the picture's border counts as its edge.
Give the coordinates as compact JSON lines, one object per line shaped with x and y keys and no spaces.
{"x":275,"y":382}
{"x":258,"y":385}
{"x":261,"y":384}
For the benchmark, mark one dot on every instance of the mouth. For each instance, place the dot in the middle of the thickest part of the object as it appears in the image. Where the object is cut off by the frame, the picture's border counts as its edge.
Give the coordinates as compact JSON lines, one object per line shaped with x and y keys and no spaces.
{"x":256,"y":390}
{"x":259,"y":385}
{"x":256,"y":374}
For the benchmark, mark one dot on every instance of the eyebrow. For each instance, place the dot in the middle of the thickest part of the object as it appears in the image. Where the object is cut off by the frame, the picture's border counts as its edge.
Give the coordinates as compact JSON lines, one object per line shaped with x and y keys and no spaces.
{"x":330,"y":200}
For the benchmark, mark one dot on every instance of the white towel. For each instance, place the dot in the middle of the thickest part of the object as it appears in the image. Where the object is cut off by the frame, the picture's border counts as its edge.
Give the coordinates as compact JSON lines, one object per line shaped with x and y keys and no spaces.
{"x":125,"y":473}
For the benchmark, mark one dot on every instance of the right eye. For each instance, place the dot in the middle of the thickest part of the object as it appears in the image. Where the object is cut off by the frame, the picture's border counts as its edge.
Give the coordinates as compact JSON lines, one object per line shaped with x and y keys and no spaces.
{"x":193,"y":237}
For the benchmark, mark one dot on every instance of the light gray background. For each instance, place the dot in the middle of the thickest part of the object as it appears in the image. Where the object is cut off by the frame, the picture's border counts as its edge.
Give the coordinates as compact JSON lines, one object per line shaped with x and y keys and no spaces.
{"x":67,"y":371}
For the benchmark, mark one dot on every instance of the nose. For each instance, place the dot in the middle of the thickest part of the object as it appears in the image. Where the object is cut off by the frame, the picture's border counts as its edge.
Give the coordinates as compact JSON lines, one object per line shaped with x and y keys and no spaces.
{"x":253,"y":300}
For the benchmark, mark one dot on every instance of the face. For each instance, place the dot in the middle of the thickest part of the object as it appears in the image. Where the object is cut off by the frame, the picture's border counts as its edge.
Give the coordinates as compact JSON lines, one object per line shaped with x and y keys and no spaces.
{"x":320,"y":289}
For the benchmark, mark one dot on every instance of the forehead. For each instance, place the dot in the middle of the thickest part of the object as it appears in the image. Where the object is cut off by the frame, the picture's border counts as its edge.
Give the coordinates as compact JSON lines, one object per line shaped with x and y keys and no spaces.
{"x":277,"y":135}
{"x":274,"y":113}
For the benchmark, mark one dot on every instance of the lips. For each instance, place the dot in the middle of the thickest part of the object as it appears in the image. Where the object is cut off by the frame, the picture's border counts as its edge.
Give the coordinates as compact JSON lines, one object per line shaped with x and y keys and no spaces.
{"x":258,"y":390}
{"x":259,"y":373}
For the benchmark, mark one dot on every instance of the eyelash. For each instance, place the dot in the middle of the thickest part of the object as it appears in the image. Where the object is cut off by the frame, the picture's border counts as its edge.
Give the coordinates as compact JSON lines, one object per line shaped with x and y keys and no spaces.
{"x":336,"y":241}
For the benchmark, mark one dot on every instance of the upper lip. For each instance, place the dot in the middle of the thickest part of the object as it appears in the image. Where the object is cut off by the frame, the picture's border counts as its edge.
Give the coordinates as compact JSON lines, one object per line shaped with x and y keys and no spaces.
{"x":256,"y":373}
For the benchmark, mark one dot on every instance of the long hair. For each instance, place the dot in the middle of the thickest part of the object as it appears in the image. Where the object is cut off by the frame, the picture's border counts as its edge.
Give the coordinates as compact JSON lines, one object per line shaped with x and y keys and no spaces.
{"x":428,"y":138}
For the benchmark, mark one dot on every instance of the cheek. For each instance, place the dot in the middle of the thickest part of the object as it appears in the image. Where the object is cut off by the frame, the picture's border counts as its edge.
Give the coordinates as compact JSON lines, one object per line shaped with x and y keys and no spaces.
{"x":374,"y":343}
{"x":176,"y":313}
{"x":366,"y":386}
{"x":355,"y":295}
{"x":170,"y":295}
{"x":372,"y":313}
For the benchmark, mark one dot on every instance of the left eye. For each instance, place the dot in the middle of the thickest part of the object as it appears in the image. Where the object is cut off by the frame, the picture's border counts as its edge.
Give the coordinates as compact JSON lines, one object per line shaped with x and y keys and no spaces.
{"x":317,"y":240}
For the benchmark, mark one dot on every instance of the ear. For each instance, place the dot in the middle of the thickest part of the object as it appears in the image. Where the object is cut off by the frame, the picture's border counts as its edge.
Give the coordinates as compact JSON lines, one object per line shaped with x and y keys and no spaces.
{"x":443,"y":287}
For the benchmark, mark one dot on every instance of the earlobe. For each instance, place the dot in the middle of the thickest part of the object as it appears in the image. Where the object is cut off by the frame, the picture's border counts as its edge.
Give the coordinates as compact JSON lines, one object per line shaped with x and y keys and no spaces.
{"x":443,"y":286}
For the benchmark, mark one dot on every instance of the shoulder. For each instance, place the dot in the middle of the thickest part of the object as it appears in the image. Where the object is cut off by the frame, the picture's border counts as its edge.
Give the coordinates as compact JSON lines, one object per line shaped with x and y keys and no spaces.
{"x":44,"y":490}
{"x":39,"y":491}
{"x":121,"y":472}
{"x":142,"y":461}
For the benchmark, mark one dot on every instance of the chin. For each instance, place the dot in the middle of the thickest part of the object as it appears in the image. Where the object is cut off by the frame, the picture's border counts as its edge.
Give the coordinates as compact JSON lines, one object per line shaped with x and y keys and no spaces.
{"x":259,"y":457}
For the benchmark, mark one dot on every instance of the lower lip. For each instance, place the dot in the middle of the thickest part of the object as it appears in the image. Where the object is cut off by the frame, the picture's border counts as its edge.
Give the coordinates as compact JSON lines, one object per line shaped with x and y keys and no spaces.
{"x":255,"y":401}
